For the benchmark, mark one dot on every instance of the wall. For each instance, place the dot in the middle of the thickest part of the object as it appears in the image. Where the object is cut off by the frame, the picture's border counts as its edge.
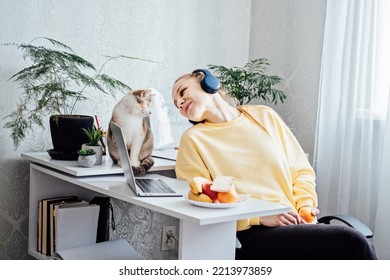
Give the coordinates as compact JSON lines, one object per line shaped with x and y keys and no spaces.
{"x":180,"y":34}
{"x":289,"y":33}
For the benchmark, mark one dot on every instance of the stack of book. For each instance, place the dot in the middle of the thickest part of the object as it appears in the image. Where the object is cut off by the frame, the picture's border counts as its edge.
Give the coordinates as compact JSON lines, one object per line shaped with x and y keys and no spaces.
{"x":65,"y":222}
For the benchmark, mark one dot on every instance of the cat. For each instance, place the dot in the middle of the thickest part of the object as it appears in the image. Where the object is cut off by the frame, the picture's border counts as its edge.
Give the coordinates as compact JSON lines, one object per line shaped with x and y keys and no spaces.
{"x":132,"y":113}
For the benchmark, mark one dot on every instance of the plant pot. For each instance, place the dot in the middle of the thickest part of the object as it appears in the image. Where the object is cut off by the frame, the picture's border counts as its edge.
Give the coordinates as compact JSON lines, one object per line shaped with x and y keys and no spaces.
{"x":87,"y":161}
{"x":67,"y":135}
{"x":98,"y":152}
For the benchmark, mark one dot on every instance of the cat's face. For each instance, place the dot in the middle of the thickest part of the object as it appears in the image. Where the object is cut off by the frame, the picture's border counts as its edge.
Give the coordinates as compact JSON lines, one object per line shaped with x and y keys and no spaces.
{"x":144,"y":100}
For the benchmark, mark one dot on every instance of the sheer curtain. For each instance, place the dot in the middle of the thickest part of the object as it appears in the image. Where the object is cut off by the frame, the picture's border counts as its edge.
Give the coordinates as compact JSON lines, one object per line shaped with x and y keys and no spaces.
{"x":351,"y":155}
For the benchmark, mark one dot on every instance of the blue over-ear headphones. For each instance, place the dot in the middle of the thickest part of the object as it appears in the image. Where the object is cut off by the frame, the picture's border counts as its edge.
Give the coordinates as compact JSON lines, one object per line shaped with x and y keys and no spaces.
{"x":209,"y":83}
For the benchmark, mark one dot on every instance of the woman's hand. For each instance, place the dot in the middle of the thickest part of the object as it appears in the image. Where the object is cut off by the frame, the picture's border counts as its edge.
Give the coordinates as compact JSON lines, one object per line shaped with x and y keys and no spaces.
{"x":285,"y":219}
{"x":309,"y":214}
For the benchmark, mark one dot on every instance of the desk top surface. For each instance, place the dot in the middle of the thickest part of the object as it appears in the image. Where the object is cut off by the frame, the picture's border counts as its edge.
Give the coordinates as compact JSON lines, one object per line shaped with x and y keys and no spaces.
{"x":116,"y":186}
{"x":180,"y":207}
{"x":107,"y":167}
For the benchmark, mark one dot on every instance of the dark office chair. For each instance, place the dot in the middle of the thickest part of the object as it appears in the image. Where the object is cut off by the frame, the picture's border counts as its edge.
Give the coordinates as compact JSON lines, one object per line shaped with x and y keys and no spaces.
{"x":349,"y":221}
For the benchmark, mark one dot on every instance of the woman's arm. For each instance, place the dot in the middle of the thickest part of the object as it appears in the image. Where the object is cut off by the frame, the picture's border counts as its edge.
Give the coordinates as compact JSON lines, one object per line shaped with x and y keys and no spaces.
{"x":189,"y":163}
{"x":302,"y":173}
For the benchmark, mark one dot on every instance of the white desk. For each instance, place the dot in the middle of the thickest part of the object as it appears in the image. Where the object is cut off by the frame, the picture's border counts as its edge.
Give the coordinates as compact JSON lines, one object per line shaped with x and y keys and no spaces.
{"x":107,"y":167}
{"x":204,"y":233}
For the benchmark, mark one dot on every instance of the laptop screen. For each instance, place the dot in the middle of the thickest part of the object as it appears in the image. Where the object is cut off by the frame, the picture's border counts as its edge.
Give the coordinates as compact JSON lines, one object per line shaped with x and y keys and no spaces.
{"x":123,"y":155}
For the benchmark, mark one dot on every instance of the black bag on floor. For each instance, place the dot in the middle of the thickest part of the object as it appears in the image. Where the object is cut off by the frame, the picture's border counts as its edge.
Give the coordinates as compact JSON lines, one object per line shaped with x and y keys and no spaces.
{"x":106,"y":210}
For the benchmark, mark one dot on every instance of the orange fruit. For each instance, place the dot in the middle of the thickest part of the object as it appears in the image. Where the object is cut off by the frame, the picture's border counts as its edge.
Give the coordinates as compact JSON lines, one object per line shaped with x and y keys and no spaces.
{"x":305,"y":213}
{"x":228,"y":197}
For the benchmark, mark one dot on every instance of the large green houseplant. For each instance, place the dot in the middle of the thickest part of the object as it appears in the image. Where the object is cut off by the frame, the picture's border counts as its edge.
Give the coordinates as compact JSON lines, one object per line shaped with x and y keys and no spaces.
{"x":249,"y":82}
{"x":52,"y":85}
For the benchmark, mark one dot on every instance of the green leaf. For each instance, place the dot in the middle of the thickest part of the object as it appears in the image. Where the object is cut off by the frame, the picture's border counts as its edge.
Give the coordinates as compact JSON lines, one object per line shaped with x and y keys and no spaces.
{"x":249,"y":82}
{"x":54,"y":82}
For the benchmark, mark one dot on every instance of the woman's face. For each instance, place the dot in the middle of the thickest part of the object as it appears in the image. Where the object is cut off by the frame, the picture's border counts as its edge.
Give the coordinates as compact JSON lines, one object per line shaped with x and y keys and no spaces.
{"x":189,"y":98}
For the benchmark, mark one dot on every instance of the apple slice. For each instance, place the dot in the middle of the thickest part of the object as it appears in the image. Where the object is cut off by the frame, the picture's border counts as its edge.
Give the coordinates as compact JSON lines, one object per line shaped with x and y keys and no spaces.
{"x":206,"y":189}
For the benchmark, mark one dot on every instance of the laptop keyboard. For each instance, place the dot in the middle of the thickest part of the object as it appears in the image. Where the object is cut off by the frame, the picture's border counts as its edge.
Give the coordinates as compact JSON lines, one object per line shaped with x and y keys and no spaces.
{"x":153,"y":186}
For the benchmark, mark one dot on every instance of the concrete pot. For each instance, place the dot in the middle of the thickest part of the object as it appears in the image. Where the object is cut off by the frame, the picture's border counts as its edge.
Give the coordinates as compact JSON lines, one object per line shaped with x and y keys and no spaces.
{"x":98,"y":152}
{"x":87,"y":161}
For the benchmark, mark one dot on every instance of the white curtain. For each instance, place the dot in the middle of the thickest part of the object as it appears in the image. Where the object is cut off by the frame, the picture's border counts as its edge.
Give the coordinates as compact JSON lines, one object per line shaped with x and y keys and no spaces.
{"x":352,"y":158}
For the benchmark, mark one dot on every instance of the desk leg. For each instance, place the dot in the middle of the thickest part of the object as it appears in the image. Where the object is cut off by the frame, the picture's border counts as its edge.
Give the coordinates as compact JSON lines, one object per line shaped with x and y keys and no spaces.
{"x":207,"y":242}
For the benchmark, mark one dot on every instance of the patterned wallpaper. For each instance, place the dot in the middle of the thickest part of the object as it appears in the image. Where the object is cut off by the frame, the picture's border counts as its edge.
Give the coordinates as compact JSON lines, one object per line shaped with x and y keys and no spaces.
{"x":143,"y":229}
{"x":181,"y":35}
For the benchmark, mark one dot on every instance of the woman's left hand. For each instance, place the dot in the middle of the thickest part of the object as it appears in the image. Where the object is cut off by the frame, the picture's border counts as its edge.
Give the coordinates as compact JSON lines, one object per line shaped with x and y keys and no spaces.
{"x":284,"y":219}
{"x":308,"y":214}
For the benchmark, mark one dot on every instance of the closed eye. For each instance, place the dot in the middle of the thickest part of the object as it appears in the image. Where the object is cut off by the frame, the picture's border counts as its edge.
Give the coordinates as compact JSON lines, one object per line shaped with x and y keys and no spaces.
{"x":181,"y":94}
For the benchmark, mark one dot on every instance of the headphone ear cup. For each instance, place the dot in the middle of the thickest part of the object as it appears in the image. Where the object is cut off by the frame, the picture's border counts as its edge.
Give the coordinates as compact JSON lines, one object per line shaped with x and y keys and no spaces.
{"x":209,"y":83}
{"x":193,"y":122}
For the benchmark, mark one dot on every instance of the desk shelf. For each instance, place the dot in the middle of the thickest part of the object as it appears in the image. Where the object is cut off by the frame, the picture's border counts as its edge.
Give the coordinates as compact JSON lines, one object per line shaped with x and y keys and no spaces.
{"x":196,"y":223}
{"x":107,"y":167}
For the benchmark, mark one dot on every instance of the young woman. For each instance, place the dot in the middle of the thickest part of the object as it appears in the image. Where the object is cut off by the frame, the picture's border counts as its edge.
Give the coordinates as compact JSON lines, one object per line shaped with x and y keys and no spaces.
{"x":254,"y":146}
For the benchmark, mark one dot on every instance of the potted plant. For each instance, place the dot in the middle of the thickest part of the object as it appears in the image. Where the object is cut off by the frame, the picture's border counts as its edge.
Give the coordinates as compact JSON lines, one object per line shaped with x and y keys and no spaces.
{"x":95,"y":136}
{"x":53,"y":84}
{"x":86,"y":157}
{"x":250,"y":82}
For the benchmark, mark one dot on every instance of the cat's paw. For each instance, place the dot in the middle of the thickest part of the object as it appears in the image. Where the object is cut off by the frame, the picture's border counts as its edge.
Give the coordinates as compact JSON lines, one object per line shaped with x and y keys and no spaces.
{"x":147,"y":163}
{"x":140,"y":170}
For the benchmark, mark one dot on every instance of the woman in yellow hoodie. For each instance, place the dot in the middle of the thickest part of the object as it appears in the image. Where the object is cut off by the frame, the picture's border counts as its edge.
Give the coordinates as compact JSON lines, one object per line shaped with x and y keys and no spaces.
{"x":254,"y":146}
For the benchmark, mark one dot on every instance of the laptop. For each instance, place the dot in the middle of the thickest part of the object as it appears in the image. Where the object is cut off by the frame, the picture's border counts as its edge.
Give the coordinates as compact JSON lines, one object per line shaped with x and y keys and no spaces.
{"x":140,"y":186}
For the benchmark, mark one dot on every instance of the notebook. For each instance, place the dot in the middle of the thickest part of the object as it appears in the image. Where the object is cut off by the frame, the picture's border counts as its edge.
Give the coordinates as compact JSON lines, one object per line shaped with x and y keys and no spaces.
{"x":75,"y":225}
{"x":168,"y":153}
{"x":140,"y":186}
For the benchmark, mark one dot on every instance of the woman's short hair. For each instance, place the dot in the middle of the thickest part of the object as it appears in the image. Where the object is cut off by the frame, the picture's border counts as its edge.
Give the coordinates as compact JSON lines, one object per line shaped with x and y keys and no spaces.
{"x":199,"y":76}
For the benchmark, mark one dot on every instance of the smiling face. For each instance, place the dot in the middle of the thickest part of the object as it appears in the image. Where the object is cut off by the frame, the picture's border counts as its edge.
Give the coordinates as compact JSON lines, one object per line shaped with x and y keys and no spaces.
{"x":189,"y":97}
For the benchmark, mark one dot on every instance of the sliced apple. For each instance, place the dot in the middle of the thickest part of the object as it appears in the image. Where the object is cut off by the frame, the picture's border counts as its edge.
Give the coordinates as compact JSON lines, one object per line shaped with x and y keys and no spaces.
{"x":206,"y":189}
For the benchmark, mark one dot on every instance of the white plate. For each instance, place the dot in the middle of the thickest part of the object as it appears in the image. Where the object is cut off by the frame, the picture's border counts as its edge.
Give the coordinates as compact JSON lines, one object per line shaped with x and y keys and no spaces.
{"x":241,"y":198}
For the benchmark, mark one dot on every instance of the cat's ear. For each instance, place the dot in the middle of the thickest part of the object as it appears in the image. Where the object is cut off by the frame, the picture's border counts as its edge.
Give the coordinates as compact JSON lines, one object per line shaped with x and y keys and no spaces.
{"x":139,"y":93}
{"x":153,"y":92}
{"x":145,"y":93}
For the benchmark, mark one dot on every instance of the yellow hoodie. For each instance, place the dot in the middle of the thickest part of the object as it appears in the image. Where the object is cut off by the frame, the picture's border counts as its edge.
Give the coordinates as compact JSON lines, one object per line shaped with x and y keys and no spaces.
{"x":258,"y":150}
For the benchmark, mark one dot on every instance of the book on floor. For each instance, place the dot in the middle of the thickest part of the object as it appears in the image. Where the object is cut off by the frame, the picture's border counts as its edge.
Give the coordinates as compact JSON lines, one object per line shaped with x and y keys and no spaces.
{"x":76,"y":226}
{"x":45,"y":223}
{"x":39,"y":227}
{"x":53,"y":219}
